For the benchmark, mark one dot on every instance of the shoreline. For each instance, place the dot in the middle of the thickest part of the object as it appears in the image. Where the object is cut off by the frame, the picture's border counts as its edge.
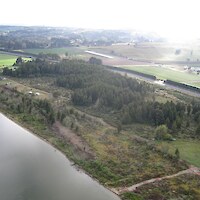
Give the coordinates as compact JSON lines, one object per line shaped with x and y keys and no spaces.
{"x":72,"y":163}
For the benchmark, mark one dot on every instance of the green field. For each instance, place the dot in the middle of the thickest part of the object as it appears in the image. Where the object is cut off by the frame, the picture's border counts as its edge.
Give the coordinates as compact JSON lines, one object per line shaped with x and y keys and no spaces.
{"x":164,"y":73}
{"x":189,"y":150}
{"x":197,"y":84}
{"x":59,"y":51}
{"x":7,"y":60}
{"x":142,"y":51}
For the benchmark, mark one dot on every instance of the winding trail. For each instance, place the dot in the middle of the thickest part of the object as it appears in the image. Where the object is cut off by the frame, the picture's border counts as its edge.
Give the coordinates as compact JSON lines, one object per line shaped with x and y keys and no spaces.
{"x":191,"y":170}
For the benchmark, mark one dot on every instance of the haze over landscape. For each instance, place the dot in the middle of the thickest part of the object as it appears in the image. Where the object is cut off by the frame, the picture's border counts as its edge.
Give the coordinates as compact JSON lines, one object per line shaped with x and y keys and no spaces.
{"x":113,"y":90}
{"x":176,"y":20}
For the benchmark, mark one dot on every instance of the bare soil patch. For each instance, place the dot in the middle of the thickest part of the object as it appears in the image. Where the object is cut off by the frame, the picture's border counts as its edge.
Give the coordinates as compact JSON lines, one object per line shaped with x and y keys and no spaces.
{"x":80,"y":145}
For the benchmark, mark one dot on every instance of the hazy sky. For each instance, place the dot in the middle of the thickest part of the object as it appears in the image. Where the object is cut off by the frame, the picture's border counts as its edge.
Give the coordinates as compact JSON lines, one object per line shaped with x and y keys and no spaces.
{"x":172,"y":18}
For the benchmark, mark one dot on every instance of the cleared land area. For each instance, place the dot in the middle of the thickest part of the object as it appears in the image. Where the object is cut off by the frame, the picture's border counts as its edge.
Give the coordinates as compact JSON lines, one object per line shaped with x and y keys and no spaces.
{"x":13,"y":85}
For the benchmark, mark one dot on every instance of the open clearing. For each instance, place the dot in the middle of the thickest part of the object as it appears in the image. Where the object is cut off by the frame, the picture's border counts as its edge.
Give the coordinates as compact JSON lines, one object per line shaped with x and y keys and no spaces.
{"x":189,"y":150}
{"x":11,"y":84}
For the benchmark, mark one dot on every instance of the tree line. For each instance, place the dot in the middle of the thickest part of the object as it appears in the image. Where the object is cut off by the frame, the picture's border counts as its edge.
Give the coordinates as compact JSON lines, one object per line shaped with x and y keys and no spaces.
{"x":94,"y":86}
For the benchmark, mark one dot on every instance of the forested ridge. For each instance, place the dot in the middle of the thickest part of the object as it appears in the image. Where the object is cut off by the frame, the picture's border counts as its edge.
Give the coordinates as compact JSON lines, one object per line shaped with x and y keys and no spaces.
{"x":93,"y":85}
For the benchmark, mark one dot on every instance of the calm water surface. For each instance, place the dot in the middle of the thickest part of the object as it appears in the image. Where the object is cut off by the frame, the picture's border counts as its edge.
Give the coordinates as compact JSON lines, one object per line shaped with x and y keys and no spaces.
{"x":31,"y":169}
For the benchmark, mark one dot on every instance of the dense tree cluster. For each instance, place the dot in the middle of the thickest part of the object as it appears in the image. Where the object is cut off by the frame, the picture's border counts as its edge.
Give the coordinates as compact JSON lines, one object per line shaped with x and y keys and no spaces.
{"x":195,"y":111}
{"x":93,"y":85}
{"x":90,"y":83}
{"x":40,"y":67}
{"x":13,"y":43}
{"x":49,"y":56}
{"x":25,"y":104}
{"x":155,"y":113}
{"x":96,"y":61}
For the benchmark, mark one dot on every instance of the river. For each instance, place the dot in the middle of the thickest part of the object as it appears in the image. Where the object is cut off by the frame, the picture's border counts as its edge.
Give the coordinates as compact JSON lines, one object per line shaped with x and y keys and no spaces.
{"x":31,"y":169}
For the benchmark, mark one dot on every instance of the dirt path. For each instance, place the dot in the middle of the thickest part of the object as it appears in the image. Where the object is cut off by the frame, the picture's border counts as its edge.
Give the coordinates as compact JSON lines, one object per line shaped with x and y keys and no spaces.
{"x":191,"y":170}
{"x":79,"y":144}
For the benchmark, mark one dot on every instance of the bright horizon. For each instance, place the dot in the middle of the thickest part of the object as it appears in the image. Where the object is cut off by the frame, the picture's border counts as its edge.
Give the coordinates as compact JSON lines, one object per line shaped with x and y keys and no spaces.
{"x":175,"y":19}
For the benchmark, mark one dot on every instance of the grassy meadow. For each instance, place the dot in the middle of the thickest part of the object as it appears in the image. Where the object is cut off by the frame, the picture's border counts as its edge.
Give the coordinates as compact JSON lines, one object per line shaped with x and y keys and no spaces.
{"x":7,"y":60}
{"x":60,"y":51}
